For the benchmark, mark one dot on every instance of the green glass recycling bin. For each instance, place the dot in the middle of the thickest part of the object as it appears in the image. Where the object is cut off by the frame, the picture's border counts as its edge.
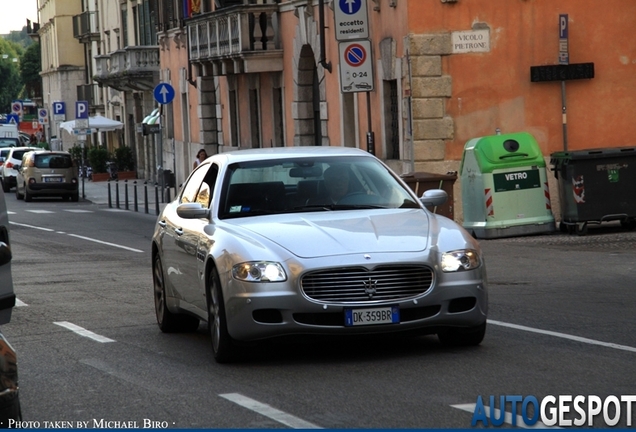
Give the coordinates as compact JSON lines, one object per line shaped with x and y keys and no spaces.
{"x":504,"y":187}
{"x":596,"y":185}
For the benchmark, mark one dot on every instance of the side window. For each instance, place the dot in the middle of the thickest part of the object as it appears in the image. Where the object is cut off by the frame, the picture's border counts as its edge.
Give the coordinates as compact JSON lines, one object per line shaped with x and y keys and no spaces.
{"x":191,"y":189}
{"x":205,"y":192}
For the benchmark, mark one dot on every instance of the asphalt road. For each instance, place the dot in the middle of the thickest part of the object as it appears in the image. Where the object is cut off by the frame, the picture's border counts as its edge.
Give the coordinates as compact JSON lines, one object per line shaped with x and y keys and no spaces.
{"x":561,"y":322}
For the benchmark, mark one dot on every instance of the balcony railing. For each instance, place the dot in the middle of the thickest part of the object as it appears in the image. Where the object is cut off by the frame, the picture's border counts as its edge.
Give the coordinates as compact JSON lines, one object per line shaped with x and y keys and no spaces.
{"x":86,"y":26}
{"x":131,"y":68}
{"x":237,"y":39}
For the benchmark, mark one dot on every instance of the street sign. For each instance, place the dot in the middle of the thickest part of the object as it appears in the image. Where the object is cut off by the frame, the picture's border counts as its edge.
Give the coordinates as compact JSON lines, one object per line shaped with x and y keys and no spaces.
{"x":351,"y":19}
{"x":16,"y":108}
{"x":82,"y":131}
{"x":562,"y":72}
{"x":163,"y":93}
{"x":59,"y":111}
{"x":13,"y":118}
{"x":564,"y":55}
{"x":43,"y":116}
{"x":81,"y":114}
{"x":356,"y":66}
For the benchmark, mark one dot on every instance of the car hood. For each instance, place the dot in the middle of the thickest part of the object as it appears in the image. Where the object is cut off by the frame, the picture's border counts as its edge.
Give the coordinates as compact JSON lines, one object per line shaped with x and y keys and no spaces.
{"x":311,"y":235}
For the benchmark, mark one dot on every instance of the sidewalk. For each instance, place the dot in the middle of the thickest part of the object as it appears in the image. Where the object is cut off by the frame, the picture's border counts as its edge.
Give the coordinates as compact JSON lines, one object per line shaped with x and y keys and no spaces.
{"x":98,"y":193}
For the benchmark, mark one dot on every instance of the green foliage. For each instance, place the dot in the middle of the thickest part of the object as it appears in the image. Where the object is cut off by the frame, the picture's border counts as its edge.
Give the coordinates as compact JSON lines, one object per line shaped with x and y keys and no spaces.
{"x":98,"y":157}
{"x":11,"y":82}
{"x":125,"y":159}
{"x":76,"y":153}
{"x":30,"y":68}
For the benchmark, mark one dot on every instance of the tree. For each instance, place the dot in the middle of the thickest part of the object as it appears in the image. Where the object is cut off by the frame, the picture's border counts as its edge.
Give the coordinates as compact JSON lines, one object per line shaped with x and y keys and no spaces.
{"x":11,"y":82}
{"x":30,"y":67}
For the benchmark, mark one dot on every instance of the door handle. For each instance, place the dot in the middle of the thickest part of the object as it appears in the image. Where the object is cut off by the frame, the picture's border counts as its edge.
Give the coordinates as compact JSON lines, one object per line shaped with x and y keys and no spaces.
{"x":162,"y":224}
{"x":178,"y":231}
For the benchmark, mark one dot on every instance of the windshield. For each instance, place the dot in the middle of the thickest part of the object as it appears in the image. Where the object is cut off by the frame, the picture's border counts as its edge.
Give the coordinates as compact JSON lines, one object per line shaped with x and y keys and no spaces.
{"x":9,"y":142}
{"x":303,"y":185}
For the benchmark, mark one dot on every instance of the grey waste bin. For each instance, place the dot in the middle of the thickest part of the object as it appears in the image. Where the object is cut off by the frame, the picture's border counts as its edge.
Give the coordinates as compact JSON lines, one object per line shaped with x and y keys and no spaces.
{"x":596,"y":185}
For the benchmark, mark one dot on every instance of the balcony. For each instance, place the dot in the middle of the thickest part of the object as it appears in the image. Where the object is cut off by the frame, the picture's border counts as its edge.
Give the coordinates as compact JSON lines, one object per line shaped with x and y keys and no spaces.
{"x":132,"y":68}
{"x":237,"y":39}
{"x":86,"y":27}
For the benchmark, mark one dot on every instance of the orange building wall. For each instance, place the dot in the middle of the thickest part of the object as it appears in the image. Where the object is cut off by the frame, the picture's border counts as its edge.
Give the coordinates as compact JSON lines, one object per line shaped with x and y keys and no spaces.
{"x":491,"y":90}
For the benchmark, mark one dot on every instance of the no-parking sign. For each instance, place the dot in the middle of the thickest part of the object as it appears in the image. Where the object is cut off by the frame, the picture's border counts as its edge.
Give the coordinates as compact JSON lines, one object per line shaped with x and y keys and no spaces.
{"x":356,"y":66}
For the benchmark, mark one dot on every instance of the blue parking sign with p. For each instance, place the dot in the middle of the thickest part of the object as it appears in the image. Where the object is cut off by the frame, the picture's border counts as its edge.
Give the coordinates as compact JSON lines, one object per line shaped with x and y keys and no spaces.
{"x":59,"y":108}
{"x":81,"y":110}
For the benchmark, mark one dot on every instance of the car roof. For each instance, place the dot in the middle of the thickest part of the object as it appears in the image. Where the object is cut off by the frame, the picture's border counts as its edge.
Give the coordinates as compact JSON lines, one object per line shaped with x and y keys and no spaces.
{"x":286,"y":152}
{"x":12,"y":149}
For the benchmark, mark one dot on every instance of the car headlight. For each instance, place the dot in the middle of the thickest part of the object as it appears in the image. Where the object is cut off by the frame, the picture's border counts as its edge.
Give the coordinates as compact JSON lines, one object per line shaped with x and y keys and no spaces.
{"x":259,"y":271}
{"x":460,"y":260}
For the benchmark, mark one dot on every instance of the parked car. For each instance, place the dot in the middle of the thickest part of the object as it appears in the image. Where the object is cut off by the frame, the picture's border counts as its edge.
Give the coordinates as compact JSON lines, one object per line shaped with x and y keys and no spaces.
{"x":272,"y":242}
{"x":8,"y":172}
{"x":47,"y":173}
{"x":9,"y":389}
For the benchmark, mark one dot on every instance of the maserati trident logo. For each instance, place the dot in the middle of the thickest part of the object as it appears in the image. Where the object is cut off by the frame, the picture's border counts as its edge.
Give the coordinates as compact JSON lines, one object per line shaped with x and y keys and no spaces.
{"x":370,"y":287}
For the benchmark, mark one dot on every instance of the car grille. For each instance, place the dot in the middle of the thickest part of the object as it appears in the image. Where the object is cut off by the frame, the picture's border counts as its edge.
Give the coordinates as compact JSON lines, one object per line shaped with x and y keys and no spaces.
{"x":348,"y":285}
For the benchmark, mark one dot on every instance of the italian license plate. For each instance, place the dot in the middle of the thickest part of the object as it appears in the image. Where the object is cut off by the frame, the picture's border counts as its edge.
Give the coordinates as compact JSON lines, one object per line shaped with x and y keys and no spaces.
{"x":53,"y":179}
{"x":370,"y":316}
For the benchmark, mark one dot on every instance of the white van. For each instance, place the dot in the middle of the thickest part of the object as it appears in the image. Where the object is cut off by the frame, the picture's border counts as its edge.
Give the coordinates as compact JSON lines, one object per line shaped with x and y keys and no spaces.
{"x":9,"y":135}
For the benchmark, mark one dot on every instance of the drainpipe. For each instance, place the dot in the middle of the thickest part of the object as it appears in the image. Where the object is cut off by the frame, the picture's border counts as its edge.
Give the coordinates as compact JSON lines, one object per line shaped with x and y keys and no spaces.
{"x":321,"y":17}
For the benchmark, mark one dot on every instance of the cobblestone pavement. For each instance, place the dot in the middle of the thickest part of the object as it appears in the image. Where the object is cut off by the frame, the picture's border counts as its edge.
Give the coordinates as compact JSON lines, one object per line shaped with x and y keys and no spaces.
{"x":608,"y":235}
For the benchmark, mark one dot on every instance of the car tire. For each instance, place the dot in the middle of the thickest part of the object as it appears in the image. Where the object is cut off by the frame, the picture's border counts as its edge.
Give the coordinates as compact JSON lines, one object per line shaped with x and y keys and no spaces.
{"x":222,"y":343}
{"x":168,"y":322}
{"x":27,"y":196}
{"x":459,"y":336}
{"x":18,"y":195}
{"x":74,"y":197}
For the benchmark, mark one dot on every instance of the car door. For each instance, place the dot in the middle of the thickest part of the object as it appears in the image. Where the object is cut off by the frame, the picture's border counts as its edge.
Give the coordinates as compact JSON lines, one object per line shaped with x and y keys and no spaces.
{"x":196,"y":243}
{"x":179,"y":254}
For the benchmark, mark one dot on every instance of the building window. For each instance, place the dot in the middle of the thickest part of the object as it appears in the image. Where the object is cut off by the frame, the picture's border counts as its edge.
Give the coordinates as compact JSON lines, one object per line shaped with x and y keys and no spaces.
{"x":255,"y":119}
{"x":234,"y":119}
{"x":279,"y":130}
{"x":124,"y":25}
{"x":392,"y":119}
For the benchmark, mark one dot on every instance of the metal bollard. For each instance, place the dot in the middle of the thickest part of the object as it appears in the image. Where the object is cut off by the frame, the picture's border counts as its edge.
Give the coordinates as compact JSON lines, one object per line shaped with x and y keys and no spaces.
{"x":168,"y":194}
{"x":146,"y":196}
{"x":117,"y":193}
{"x":126,"y":194}
{"x":157,"y":198}
{"x":135,"y":195}
{"x":110,"y":199}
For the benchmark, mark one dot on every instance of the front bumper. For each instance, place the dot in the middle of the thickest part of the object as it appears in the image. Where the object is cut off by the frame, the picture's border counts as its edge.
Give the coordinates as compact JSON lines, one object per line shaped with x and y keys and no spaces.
{"x":455,"y":300}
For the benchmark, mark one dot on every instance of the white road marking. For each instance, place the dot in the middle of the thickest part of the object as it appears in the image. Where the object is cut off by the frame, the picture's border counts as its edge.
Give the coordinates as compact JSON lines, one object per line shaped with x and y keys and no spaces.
{"x":269,"y":411}
{"x":78,"y":211}
{"x":83,"y":332}
{"x":10,"y":212}
{"x":106,"y":243}
{"x":80,"y":237}
{"x":564,"y":336}
{"x":115,"y":210}
{"x":40,"y":211}
{"x":19,"y":302}
{"x":31,"y":226}
{"x":508,"y":416}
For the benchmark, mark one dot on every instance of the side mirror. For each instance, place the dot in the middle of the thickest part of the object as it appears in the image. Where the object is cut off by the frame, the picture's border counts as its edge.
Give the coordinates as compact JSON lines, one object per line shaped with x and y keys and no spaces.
{"x":192,"y":211}
{"x":434,"y":197}
{"x":5,"y":254}
{"x":17,"y":167}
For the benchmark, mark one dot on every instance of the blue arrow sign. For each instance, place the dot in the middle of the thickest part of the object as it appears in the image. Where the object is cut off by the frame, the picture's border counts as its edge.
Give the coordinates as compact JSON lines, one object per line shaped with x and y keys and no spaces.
{"x":163,"y":93}
{"x":350,"y":7}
